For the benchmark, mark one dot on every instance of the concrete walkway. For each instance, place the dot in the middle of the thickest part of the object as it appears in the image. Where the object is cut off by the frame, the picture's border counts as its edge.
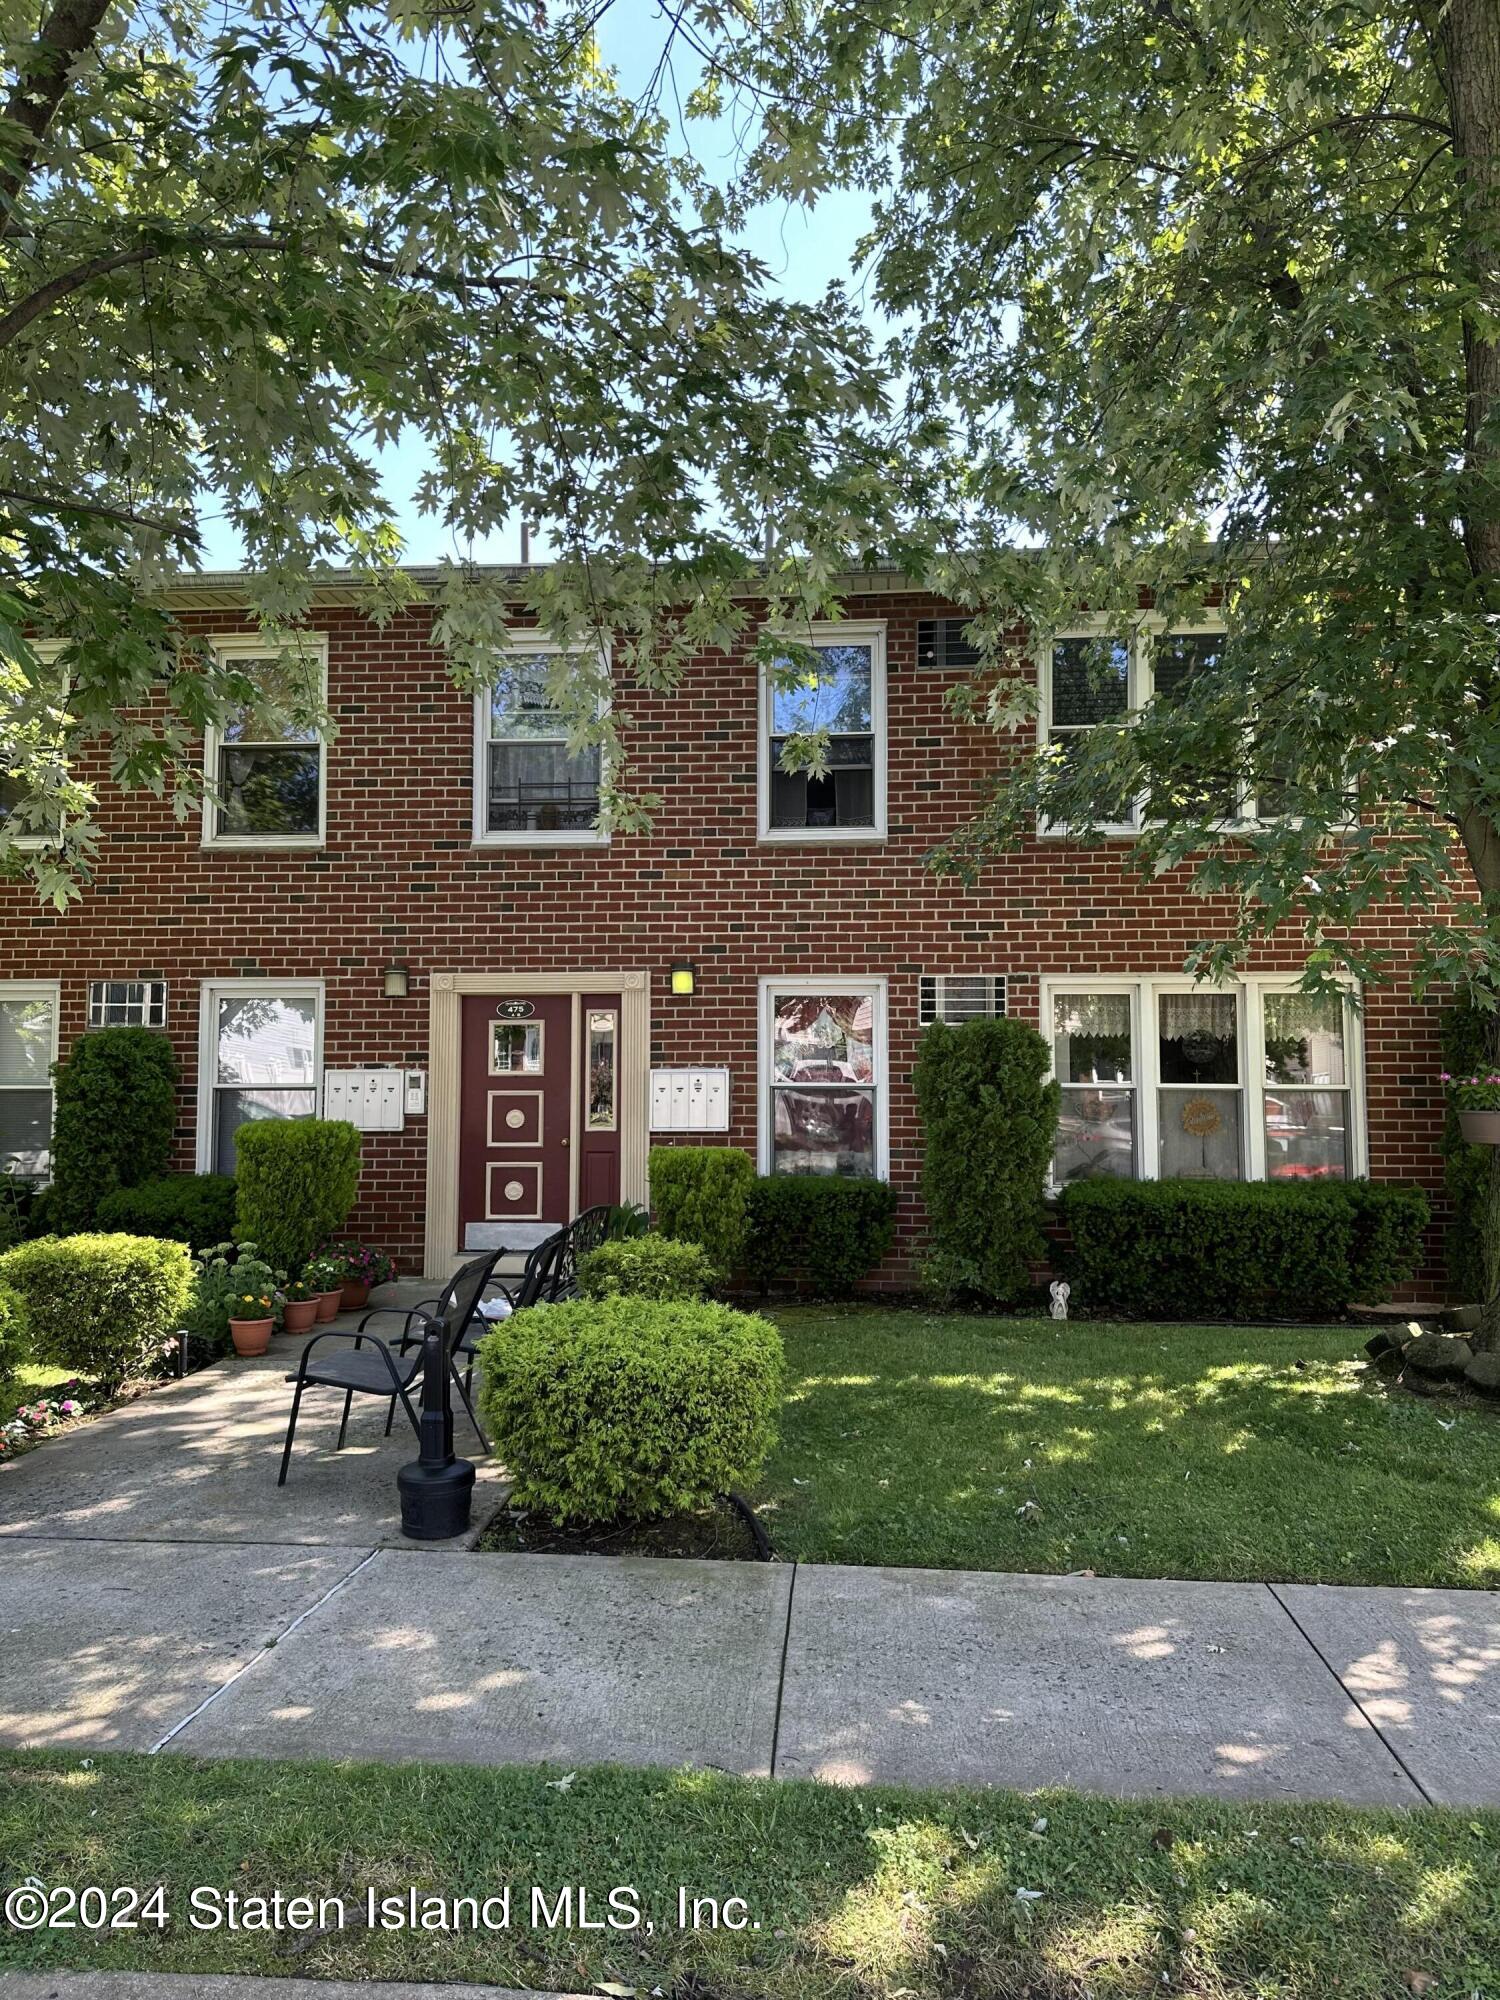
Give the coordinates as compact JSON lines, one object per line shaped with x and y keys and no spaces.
{"x":161,"y":1594}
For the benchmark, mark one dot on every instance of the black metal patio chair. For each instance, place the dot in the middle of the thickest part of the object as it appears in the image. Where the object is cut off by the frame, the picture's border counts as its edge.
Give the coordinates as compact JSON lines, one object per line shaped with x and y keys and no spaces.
{"x":536,"y":1286}
{"x":373,"y":1370}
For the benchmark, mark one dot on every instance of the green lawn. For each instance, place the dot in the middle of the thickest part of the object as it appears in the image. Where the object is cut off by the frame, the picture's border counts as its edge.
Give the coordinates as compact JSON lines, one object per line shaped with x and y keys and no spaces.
{"x":1233,"y":1452}
{"x":857,"y":1893}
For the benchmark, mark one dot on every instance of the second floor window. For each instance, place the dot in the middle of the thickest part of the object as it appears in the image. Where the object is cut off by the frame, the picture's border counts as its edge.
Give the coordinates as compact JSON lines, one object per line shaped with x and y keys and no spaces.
{"x":840,"y":698}
{"x":532,"y":783}
{"x":266,"y":768}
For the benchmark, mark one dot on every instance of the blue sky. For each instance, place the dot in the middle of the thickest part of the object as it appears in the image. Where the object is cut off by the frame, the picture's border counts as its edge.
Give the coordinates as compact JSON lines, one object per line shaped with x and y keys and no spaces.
{"x":804,"y":251}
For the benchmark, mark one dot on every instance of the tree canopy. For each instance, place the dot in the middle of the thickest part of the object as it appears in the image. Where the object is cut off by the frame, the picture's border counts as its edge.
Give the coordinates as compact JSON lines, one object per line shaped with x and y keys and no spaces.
{"x":243,"y":249}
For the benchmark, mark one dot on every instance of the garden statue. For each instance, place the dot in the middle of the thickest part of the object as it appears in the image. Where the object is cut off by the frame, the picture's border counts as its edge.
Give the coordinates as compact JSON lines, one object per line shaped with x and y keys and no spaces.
{"x":1059,"y":1290}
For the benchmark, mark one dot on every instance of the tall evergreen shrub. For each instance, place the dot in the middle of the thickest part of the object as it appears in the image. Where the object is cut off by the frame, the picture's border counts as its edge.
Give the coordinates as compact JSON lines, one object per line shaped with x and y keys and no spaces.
{"x":700,"y":1194}
{"x":116,"y":1110}
{"x":295,"y":1183}
{"x":989,"y":1120}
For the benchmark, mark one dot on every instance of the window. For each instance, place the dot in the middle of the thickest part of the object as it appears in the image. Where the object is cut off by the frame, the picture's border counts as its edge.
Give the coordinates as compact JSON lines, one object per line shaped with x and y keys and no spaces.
{"x":269,"y":772}
{"x":529,"y":785}
{"x":1164,"y":1080}
{"x":942,"y":646}
{"x":28,"y":1049}
{"x":515,"y":1048}
{"x":260,"y":1056}
{"x":823,"y":1064}
{"x":602,"y":1028}
{"x":21,"y":834}
{"x":956,"y":997}
{"x":843,"y":695}
{"x":128,"y":1003}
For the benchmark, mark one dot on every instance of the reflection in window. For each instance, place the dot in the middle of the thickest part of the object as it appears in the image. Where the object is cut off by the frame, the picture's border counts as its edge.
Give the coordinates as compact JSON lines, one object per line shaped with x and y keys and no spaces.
{"x":601,"y":1073}
{"x":265,"y":1067}
{"x":534,"y":783}
{"x":823,"y":1083}
{"x":515,"y":1048}
{"x":270,"y":767}
{"x":1094,"y":1061}
{"x":837,"y":696}
{"x":1307,"y":1087}
{"x":26,"y":1045}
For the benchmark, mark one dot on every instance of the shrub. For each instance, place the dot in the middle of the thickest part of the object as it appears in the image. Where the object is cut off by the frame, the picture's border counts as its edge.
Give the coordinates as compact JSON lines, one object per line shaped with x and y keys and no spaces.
{"x":105,"y":1306}
{"x":15,"y":1347}
{"x":1236,"y":1250}
{"x":116,"y":1110}
{"x":825,"y":1229}
{"x":646,"y":1267}
{"x":699,"y":1195}
{"x":627,"y":1409}
{"x":196,"y":1209}
{"x":989,"y":1120}
{"x":18,"y":1196}
{"x":207,"y":1315}
{"x":1466,"y":1169}
{"x":296,"y":1182}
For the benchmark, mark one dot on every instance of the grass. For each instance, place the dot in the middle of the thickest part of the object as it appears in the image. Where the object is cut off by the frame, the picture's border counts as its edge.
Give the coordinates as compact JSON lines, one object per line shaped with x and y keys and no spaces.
{"x":32,"y":1379}
{"x":856,"y":1893}
{"x":1235,"y":1452}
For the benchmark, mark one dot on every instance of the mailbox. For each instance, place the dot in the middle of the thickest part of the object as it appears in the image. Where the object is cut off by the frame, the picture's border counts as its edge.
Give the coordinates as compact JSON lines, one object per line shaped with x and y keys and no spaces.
{"x":690,"y":1100}
{"x":373,"y":1100}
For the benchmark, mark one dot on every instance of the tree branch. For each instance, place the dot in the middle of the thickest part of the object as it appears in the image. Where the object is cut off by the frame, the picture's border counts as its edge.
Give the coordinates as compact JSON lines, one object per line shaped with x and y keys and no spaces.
{"x":58,"y":504}
{"x":68,"y":31}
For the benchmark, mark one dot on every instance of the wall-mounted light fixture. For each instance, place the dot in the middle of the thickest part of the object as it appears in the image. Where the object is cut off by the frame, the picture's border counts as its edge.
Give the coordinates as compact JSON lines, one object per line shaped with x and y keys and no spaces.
{"x":684,"y":978}
{"x":396,"y":982}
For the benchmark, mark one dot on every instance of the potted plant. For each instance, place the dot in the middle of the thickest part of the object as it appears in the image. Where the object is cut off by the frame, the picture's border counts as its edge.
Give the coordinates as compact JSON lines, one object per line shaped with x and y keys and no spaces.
{"x":252,"y":1319}
{"x":1476,"y":1099}
{"x":324,"y":1278}
{"x":299,"y":1307}
{"x":362,"y":1268}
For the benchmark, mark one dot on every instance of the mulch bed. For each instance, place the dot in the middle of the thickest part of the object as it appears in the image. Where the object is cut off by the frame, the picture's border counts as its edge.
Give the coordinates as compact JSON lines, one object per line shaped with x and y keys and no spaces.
{"x":719,"y":1531}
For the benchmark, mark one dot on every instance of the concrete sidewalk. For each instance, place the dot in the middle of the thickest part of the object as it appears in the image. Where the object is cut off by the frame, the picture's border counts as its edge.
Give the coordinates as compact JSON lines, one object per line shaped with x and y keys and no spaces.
{"x":846,"y":1675}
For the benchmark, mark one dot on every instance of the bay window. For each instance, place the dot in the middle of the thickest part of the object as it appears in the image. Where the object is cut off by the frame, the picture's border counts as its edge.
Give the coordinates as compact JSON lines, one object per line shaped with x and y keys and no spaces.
{"x":1163,"y":1080}
{"x":843,"y":697}
{"x":28,"y":1049}
{"x":260,"y":1056}
{"x":823,"y":1063}
{"x":532,"y":781}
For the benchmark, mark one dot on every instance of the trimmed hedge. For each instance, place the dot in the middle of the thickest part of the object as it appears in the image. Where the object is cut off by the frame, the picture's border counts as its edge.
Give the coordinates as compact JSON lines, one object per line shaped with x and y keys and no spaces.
{"x":295,"y":1185}
{"x":99,"y":1305}
{"x":646,"y":1267}
{"x":989,"y":1120}
{"x":825,"y":1229}
{"x":1238,"y":1250}
{"x":627,"y":1409}
{"x":116,"y":1111}
{"x":196,"y":1209}
{"x":700,"y":1195}
{"x":15,"y":1344}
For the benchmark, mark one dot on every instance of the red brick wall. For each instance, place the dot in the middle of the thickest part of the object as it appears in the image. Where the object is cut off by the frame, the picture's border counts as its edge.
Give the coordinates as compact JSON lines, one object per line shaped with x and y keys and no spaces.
{"x":399,"y":878}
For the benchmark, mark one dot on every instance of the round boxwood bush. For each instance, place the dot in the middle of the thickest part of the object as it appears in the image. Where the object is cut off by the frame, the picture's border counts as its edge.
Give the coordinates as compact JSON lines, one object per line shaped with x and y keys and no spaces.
{"x":626,"y":1409}
{"x":647,"y":1267}
{"x":14,"y":1345}
{"x":195,"y":1209}
{"x":101,"y":1306}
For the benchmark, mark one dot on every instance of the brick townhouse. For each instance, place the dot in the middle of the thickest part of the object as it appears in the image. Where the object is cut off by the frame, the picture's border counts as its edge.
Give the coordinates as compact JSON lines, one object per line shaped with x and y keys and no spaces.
{"x":416,"y":925}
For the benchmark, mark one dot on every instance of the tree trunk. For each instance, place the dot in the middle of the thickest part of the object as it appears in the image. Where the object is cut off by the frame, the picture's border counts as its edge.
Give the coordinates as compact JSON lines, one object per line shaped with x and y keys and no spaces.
{"x":1467,"y":35}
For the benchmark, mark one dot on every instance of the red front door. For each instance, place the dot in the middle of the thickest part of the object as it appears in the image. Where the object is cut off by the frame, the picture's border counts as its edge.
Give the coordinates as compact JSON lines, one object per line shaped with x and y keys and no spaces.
{"x":515,"y":1162}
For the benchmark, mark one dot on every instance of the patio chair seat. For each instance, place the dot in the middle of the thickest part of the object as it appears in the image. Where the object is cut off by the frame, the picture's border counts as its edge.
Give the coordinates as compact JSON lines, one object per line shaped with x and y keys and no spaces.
{"x":359,"y":1368}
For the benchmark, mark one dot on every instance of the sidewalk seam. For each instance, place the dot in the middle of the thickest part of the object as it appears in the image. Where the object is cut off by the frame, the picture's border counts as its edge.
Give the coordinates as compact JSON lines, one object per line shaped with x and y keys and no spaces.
{"x":270,"y":1645}
{"x":1354,"y":1701}
{"x":786,"y":1643}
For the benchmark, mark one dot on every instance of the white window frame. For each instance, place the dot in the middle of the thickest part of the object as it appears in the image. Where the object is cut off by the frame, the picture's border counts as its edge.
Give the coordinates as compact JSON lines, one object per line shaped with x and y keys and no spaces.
{"x":937,"y":981}
{"x":529,"y":645}
{"x":209,"y":996}
{"x":99,"y":1002}
{"x":832,"y":982}
{"x":829,"y":632}
{"x":229,"y":646}
{"x":47,"y":651}
{"x":1250,"y":991}
{"x":38,"y":989}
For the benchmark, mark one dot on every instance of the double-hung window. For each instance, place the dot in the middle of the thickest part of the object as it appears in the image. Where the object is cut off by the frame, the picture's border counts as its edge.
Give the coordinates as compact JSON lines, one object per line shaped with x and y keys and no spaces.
{"x":823,"y":1076}
{"x":25,"y":833}
{"x":28,"y":1049}
{"x":266,"y":769}
{"x":534,"y":783}
{"x":1163,"y":1080}
{"x":260,"y":1056}
{"x":840,"y":697}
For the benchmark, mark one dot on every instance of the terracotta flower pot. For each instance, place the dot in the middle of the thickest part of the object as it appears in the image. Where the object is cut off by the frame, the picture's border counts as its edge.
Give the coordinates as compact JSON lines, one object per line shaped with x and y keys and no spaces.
{"x":354,"y":1295}
{"x":250,"y":1336}
{"x":297,"y":1315}
{"x":1480,"y":1128}
{"x":328,"y":1304}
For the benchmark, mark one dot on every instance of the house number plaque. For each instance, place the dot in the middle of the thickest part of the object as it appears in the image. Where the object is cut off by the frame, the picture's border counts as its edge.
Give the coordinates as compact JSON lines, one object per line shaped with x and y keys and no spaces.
{"x":515,"y":1010}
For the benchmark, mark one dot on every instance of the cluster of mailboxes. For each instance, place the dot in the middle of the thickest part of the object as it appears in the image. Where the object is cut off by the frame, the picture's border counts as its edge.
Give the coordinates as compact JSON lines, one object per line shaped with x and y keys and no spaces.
{"x":690,"y":1100}
{"x":376,"y":1100}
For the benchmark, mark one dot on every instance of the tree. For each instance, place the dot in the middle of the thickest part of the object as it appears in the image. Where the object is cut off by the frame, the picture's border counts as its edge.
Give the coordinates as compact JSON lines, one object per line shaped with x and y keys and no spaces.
{"x":243,"y":249}
{"x":1209,"y":292}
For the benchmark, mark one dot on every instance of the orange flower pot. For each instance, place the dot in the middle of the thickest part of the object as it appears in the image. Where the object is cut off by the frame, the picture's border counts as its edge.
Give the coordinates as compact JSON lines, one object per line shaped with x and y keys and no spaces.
{"x":328,"y":1304}
{"x":251,"y":1336}
{"x":297,"y":1315}
{"x":355,"y":1295}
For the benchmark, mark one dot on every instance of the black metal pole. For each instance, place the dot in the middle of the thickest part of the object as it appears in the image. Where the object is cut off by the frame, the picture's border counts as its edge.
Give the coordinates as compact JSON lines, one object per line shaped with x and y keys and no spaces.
{"x":437,"y":1488}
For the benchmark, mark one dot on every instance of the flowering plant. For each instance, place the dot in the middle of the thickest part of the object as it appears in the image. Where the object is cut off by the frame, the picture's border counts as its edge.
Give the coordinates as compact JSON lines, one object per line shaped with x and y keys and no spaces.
{"x":361,"y":1265}
{"x":36,"y":1420}
{"x":323,"y":1274}
{"x":299,"y":1290}
{"x":1474,"y":1093}
{"x":251,"y":1305}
